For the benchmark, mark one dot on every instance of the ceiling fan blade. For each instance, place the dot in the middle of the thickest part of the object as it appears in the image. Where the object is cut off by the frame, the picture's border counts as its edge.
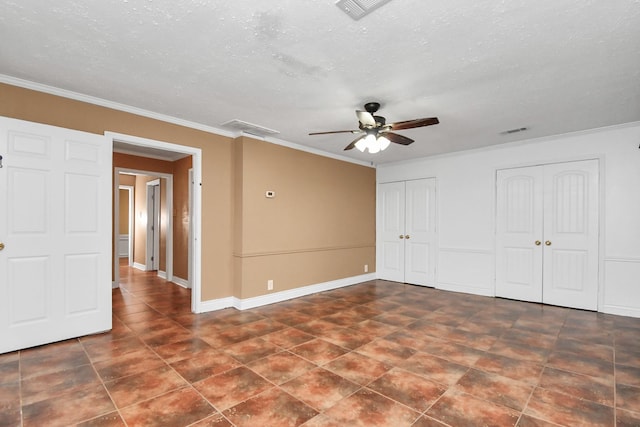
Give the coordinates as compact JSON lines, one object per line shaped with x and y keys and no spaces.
{"x":366,"y":118}
{"x":415,"y":123}
{"x":336,"y":131}
{"x":398,"y":139}
{"x":353,"y":143}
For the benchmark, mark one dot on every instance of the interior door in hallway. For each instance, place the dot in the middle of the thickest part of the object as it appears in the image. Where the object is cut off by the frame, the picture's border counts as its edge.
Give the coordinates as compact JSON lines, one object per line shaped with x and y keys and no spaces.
{"x":55,"y":224}
{"x":547,"y":234}
{"x":406,"y":232}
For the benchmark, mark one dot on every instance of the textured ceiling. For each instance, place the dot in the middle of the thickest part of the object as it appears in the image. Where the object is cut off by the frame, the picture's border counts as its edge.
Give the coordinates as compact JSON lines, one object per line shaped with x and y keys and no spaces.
{"x":300,"y":66}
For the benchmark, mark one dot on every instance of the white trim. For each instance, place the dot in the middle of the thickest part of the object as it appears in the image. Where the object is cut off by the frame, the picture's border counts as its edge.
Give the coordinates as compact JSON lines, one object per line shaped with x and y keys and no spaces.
{"x":165,"y":118}
{"x":152,"y":248}
{"x":110,"y":104}
{"x":180,"y":282}
{"x":196,"y":162}
{"x":620,"y":311}
{"x":139,"y":266}
{"x":247,"y":303}
{"x":162,"y":274}
{"x":123,"y":238}
{"x":622,"y":259}
{"x":511,"y":144}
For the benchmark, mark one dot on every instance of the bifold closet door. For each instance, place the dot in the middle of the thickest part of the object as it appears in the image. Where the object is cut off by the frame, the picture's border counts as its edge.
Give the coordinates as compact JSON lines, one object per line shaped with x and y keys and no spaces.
{"x":406,"y":232}
{"x":547,"y":234}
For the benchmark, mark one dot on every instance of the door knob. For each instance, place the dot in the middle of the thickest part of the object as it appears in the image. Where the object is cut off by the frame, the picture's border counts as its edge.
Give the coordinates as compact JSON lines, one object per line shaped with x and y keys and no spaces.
{"x":407,"y":237}
{"x":1,"y":246}
{"x":401,"y":236}
{"x":538,"y":242}
{"x":548,"y":243}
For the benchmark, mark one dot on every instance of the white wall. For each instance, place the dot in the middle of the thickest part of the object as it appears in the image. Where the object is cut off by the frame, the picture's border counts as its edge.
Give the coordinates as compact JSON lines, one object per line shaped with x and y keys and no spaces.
{"x":466,"y":208}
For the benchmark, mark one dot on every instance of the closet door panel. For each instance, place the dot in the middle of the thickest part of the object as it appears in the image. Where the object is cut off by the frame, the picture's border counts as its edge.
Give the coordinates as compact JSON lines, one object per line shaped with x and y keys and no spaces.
{"x":390,"y":244}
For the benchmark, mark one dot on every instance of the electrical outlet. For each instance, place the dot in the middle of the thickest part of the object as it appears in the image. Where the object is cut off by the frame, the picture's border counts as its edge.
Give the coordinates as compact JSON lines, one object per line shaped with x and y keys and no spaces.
{"x":366,"y":268}
{"x":269,"y":285}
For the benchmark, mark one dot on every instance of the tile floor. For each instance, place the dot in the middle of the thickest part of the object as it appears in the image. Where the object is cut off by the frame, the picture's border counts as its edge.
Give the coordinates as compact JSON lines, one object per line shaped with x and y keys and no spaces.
{"x":373,"y":354}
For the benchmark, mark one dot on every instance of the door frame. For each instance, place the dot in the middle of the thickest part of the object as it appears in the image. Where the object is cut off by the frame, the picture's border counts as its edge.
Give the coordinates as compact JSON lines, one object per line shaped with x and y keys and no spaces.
{"x":154,"y":197}
{"x":196,"y":156}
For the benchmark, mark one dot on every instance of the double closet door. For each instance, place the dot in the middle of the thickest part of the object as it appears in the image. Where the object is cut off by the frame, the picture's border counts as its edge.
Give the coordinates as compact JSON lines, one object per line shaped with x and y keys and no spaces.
{"x":547,"y":234}
{"x":407,"y":231}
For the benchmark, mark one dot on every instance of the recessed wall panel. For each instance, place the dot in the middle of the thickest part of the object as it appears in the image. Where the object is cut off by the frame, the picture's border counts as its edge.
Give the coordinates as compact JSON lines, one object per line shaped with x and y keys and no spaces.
{"x":27,"y":204}
{"x":29,"y":291}
{"x":81,"y":283}
{"x":81,"y":203}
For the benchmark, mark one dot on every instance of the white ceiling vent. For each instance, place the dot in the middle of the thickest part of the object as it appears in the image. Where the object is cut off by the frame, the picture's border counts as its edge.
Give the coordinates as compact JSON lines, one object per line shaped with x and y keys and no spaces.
{"x":250,"y":128}
{"x":356,"y":9}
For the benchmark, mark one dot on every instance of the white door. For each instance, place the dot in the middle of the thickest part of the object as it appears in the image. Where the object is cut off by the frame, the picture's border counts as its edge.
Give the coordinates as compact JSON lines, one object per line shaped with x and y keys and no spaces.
{"x":519,"y":234}
{"x":406,"y":232}
{"x":570,"y":273}
{"x":420,"y":231}
{"x":547,"y":234}
{"x":55,"y":224}
{"x":153,"y":225}
{"x":390,"y":240}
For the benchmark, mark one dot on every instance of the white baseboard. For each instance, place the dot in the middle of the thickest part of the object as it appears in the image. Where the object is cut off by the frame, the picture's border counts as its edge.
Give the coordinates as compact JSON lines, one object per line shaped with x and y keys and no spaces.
{"x":139,"y":266}
{"x":247,"y":303}
{"x":162,"y":274}
{"x":181,"y":282}
{"x":621,"y":311}
{"x":465,"y":289}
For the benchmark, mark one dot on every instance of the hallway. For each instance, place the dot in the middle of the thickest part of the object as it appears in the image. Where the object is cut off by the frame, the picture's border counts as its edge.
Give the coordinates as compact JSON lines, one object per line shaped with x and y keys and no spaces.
{"x":374,"y":354}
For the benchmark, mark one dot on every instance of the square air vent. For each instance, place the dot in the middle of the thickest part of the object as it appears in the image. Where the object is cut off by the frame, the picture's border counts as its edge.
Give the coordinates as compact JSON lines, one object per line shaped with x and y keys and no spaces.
{"x":250,"y":128}
{"x":356,"y":9}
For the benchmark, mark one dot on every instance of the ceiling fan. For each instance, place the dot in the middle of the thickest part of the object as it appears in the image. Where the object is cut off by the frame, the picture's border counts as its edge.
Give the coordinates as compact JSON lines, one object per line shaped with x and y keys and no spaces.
{"x":375,"y":133}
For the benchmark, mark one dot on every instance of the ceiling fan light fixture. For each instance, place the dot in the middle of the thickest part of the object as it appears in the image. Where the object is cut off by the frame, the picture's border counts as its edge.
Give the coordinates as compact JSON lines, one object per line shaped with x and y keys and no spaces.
{"x":362,"y":145}
{"x":384,"y":143}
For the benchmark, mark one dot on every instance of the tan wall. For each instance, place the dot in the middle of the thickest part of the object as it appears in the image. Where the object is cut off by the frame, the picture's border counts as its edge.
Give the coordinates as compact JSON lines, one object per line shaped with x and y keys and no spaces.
{"x":319,"y":227}
{"x":181,"y":217}
{"x":124,"y":211}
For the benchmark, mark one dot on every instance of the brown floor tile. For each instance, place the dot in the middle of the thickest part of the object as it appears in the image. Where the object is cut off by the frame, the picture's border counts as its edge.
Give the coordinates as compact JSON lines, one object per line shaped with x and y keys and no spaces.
{"x":217,"y":420}
{"x":345,"y":338}
{"x":627,"y":419}
{"x":409,"y":389}
{"x":628,"y":357}
{"x":318,"y":351}
{"x":281,"y":367}
{"x":105,"y":350}
{"x":426,"y":421}
{"x":581,"y":364}
{"x":628,"y":397}
{"x":177,"y":408}
{"x":180,"y":350}
{"x":528,"y":421}
{"x":495,"y":388}
{"x":582,"y":349}
{"x":287,"y":338}
{"x":68,"y":408}
{"x":566,"y":410}
{"x":578,"y":385}
{"x":274,"y":407}
{"x":232,"y":387}
{"x":451,"y":351}
{"x":320,"y":388}
{"x":366,"y":408}
{"x":519,"y":351}
{"x":628,"y":375}
{"x":435,"y":368}
{"x":521,"y":370}
{"x":129,"y":390}
{"x":250,"y":350}
{"x":128,"y":364}
{"x":373,"y":328}
{"x":457,"y":408}
{"x":204,"y":364}
{"x":9,"y":371}
{"x":55,"y":357}
{"x":357,"y":368}
{"x":387,"y":352}
{"x":47,"y":386}
{"x":112,"y":419}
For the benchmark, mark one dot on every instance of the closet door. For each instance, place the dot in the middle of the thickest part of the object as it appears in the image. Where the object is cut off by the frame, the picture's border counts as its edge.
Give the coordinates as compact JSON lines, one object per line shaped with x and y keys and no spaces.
{"x":407,"y":232}
{"x":547,"y":234}
{"x":570,"y":271}
{"x":519,"y":233}
{"x":390,"y":240}
{"x":420,"y":230}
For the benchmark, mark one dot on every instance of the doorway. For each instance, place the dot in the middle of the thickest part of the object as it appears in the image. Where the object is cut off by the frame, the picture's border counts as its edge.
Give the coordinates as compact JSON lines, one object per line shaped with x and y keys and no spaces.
{"x":151,"y":148}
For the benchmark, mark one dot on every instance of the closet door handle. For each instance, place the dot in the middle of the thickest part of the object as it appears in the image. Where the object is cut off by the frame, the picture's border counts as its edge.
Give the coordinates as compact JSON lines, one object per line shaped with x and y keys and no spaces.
{"x":407,"y":237}
{"x":538,"y":242}
{"x":548,"y":243}
{"x":401,"y":236}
